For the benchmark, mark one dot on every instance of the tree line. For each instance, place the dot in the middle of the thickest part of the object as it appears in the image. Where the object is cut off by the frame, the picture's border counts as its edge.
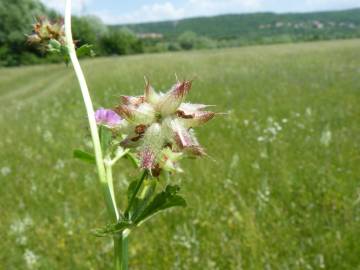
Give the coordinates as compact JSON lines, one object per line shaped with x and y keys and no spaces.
{"x":18,"y":16}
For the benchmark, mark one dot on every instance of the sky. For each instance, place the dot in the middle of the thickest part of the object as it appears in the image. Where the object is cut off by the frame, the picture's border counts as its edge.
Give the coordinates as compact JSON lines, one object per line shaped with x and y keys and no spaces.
{"x":133,"y":11}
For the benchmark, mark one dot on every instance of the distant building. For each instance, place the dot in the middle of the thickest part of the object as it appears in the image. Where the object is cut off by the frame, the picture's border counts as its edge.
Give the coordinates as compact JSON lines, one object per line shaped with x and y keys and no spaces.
{"x":150,"y":35}
{"x":318,"y":25}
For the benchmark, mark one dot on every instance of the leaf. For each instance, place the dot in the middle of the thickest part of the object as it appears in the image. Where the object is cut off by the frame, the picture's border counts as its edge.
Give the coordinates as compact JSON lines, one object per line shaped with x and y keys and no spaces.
{"x":162,"y":201}
{"x":139,"y":194}
{"x":84,"y":156}
{"x":112,"y":229}
{"x":64,"y":51}
{"x":131,"y":189}
{"x":105,"y":138}
{"x":66,"y":60}
{"x":133,"y":159}
{"x":54,"y":46}
{"x":141,"y":203}
{"x":85,"y":50}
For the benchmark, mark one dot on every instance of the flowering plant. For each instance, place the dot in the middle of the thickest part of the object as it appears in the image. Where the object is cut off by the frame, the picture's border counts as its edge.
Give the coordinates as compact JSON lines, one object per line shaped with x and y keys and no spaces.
{"x":49,"y":36}
{"x":153,"y":130}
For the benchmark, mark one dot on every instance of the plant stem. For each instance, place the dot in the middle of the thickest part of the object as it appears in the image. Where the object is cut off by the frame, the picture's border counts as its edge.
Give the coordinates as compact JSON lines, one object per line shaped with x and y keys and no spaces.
{"x":110,"y":201}
{"x":110,"y":182}
{"x":104,"y":175}
{"x":122,"y":249}
{"x":137,"y":188}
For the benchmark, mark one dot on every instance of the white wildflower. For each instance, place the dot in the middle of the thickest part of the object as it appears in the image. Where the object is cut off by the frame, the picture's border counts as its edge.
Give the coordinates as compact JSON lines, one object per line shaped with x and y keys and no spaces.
{"x":48,"y":137}
{"x":308,"y":111}
{"x":31,"y":259}
{"x":5,"y":171}
{"x":60,"y":164}
{"x":325,"y":138}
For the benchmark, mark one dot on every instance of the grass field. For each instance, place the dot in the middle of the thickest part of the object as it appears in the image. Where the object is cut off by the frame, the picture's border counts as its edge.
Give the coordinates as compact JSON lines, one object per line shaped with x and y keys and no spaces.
{"x":281,"y":189}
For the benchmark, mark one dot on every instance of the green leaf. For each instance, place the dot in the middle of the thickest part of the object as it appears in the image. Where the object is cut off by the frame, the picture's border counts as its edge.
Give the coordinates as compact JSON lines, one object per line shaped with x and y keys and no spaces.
{"x":133,"y":159}
{"x":54,"y":46}
{"x":85,"y":50}
{"x":140,"y":203}
{"x":65,"y":53}
{"x":112,"y":229}
{"x":162,"y":201}
{"x":84,"y":156}
{"x":105,"y":138}
{"x":131,"y":190}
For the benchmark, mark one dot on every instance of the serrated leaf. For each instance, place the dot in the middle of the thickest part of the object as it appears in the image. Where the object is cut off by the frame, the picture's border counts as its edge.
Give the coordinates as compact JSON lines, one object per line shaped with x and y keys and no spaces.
{"x":85,"y":50}
{"x":105,"y":138}
{"x":84,"y":156}
{"x":162,"y":201}
{"x":112,"y":229}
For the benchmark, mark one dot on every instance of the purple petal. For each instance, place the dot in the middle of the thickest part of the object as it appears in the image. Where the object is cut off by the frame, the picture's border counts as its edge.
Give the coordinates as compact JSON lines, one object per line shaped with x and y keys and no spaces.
{"x":107,"y":117}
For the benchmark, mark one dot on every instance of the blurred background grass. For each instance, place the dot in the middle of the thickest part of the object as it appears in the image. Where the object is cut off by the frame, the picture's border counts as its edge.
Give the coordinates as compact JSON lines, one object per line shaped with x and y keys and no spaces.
{"x":280,"y":189}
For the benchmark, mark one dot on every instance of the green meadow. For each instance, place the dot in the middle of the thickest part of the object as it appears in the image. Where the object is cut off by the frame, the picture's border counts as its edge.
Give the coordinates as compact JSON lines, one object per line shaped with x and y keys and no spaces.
{"x":280,"y":188}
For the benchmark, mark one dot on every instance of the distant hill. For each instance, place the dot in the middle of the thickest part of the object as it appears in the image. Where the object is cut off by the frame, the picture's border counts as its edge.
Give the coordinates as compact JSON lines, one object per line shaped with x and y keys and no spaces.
{"x":259,"y":26}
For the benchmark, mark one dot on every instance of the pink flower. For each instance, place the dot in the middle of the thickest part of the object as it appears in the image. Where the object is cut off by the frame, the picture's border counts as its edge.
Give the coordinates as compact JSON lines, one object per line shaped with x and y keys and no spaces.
{"x":160,"y":126}
{"x":107,"y":118}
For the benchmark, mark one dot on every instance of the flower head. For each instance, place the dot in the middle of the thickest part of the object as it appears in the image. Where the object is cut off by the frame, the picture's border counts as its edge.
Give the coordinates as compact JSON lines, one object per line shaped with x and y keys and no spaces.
{"x":160,"y":126}
{"x":48,"y":34}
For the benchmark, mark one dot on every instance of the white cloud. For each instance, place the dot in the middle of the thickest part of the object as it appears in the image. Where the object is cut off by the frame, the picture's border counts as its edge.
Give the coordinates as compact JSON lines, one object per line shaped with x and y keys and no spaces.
{"x":146,"y":13}
{"x":159,"y":11}
{"x":330,"y":4}
{"x":239,"y":5}
{"x":79,"y":6}
{"x":168,"y":11}
{"x":211,"y":7}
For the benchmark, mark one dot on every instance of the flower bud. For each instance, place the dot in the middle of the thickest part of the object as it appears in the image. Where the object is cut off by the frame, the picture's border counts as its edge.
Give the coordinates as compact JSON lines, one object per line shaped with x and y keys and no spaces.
{"x":48,"y":34}
{"x":33,"y":39}
{"x":170,"y":102}
{"x":196,"y":119}
{"x":153,"y":143}
{"x":168,"y":160}
{"x":142,"y":114}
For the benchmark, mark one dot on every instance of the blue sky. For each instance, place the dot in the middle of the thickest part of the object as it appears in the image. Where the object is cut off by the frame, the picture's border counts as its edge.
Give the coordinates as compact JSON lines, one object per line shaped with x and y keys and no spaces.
{"x":122,"y":11}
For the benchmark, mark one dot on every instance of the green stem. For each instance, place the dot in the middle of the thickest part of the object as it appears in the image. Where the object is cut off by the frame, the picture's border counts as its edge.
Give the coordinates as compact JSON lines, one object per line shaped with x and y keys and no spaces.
{"x":137,"y":188}
{"x":105,"y":175}
{"x":110,"y":182}
{"x":121,"y":251}
{"x":112,"y":209}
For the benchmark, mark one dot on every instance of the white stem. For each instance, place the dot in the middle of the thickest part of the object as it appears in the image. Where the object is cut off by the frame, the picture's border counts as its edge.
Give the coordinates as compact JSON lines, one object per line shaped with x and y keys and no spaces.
{"x":110,"y":200}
